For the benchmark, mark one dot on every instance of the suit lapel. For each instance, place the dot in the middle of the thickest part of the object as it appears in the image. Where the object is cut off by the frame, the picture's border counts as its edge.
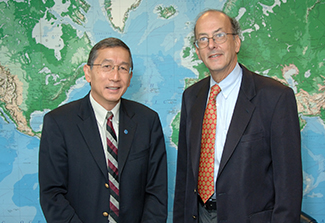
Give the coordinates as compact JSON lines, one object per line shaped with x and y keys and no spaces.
{"x":127,"y":129}
{"x":89,"y":130}
{"x":196,"y":127}
{"x":243,"y":111}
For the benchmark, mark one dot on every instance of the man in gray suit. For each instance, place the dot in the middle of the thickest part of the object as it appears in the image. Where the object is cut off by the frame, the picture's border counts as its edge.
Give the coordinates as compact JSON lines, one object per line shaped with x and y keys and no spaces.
{"x":256,"y":160}
{"x":75,"y":159}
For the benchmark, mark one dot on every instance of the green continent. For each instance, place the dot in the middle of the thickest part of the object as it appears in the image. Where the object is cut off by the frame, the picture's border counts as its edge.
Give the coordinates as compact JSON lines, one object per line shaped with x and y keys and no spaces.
{"x":289,"y":34}
{"x":41,"y":90}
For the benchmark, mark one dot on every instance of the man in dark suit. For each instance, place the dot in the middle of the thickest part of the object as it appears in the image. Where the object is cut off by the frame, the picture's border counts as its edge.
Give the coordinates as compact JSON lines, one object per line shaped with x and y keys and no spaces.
{"x":256,"y":168}
{"x":75,"y":184}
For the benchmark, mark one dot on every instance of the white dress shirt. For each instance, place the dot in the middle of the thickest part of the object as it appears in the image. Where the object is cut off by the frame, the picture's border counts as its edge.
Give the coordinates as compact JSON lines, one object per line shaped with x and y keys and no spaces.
{"x":100,"y":114}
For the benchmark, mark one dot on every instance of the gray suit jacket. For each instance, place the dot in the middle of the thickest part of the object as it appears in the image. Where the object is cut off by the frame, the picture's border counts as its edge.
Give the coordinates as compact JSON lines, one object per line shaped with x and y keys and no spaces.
{"x":260,"y":176}
{"x":73,"y":171}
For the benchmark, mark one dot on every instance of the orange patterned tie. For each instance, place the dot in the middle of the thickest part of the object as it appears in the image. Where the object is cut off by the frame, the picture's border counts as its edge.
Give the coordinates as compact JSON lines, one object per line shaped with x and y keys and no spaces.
{"x":206,"y":169}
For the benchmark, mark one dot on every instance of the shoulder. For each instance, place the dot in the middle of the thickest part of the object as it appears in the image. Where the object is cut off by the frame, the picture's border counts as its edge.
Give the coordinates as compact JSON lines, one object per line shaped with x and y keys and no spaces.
{"x":260,"y":79}
{"x":137,"y":108}
{"x":69,"y":110}
{"x":262,"y":83}
{"x":265,"y":92}
{"x":195,"y":88}
{"x":132,"y":111}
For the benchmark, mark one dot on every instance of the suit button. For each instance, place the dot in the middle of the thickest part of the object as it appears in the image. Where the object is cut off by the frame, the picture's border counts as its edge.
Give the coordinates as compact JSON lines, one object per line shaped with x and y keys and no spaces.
{"x":105,"y":214}
{"x":194,"y":190}
{"x":194,"y":217}
{"x":106,"y":185}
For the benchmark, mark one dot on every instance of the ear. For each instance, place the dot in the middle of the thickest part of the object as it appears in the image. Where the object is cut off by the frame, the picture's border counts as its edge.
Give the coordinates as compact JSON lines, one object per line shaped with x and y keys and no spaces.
{"x":197,"y":52}
{"x":87,"y":71}
{"x":131,"y":75}
{"x":237,"y":43}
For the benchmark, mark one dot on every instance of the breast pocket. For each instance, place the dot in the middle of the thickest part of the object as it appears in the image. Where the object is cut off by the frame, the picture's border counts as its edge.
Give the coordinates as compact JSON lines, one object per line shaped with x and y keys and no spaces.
{"x":250,"y":137}
{"x":139,"y":154}
{"x":264,"y":216}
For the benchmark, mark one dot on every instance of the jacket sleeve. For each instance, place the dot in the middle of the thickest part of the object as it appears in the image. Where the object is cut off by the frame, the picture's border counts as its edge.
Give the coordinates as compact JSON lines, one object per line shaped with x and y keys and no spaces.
{"x":286,"y":159}
{"x":155,"y":206}
{"x":53,"y":174}
{"x":181,"y":171}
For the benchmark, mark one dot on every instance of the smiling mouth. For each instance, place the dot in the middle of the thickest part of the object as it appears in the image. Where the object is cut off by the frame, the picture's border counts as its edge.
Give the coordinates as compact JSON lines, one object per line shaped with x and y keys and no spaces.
{"x":113,"y":88}
{"x":215,"y":55}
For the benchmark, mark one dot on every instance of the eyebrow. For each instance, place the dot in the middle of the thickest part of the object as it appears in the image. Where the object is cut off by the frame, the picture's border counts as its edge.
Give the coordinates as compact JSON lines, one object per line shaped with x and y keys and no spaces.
{"x":107,"y":60}
{"x":111,"y":61}
{"x":200,"y":34}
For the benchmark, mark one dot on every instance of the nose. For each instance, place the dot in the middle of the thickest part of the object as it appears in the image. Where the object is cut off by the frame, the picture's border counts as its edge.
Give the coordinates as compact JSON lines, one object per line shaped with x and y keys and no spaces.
{"x":114,"y":74}
{"x":211,"y":43}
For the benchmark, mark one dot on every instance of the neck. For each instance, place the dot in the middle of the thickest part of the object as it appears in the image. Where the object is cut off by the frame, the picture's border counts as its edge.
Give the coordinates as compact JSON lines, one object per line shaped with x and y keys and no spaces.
{"x":219,"y":75}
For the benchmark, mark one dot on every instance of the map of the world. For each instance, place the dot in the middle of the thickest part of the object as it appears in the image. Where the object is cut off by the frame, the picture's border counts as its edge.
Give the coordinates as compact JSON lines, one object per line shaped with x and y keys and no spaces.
{"x":45,"y":43}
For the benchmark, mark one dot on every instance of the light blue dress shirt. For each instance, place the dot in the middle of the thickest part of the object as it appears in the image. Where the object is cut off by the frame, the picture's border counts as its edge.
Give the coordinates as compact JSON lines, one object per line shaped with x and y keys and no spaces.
{"x":225,"y":103}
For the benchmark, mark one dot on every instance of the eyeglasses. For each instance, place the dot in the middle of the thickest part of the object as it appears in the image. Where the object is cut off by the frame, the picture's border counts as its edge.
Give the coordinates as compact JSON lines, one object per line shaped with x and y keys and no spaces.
{"x":218,"y":38}
{"x":107,"y":68}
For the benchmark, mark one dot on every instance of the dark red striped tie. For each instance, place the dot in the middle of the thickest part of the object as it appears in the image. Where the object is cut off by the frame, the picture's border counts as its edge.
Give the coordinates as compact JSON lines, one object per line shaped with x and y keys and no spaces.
{"x":112,"y":170}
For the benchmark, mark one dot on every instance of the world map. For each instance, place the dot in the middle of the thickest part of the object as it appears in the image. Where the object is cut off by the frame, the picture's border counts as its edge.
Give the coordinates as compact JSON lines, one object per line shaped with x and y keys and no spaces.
{"x":44,"y":45}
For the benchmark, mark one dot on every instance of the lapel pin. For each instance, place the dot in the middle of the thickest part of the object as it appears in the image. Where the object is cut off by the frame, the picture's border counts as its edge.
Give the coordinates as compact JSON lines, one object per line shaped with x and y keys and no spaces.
{"x":126,"y":132}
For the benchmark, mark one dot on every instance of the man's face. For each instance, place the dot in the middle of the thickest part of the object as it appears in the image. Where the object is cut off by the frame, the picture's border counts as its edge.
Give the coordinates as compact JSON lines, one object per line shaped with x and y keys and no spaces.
{"x":220,"y":59}
{"x":107,"y":88}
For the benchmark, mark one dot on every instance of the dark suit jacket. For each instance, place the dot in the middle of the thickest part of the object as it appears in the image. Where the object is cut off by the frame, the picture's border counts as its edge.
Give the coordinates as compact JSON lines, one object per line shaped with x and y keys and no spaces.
{"x":73,"y":171}
{"x":260,"y":176}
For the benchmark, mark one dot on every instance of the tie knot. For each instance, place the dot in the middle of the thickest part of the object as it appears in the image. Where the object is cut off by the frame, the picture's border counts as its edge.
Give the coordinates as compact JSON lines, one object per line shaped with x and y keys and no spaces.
{"x":215,"y":90}
{"x":109,"y":116}
{"x":109,"y":126}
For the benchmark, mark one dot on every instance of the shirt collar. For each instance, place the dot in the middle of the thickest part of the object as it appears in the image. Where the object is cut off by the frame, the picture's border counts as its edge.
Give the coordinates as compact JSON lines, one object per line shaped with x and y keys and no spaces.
{"x":228,"y":84}
{"x":101,"y":112}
